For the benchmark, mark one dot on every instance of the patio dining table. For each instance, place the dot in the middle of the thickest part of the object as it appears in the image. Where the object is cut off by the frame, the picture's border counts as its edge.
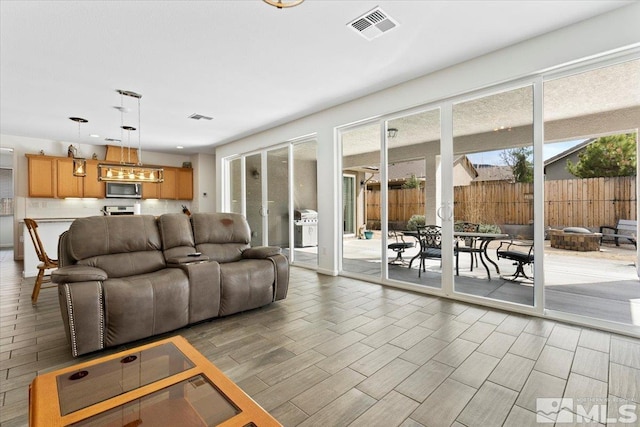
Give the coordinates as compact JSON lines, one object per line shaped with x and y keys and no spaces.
{"x":482,"y":239}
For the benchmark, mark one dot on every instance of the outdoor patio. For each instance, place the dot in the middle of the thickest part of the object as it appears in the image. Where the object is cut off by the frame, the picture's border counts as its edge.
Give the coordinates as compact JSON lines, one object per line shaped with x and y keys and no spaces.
{"x":602,"y":285}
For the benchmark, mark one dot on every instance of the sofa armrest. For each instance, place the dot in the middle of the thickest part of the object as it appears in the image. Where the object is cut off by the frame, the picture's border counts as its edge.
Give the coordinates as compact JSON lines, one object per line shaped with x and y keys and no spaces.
{"x":82,"y":309}
{"x":78,"y":273}
{"x":261,"y":252}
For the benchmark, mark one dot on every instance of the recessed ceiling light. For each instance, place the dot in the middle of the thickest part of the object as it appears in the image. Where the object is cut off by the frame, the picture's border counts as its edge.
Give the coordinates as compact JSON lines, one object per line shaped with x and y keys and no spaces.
{"x":93,"y":135}
{"x":179,"y":147}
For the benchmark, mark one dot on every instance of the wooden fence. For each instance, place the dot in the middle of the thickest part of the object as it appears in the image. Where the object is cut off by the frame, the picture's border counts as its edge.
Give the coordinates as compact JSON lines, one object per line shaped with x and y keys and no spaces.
{"x":572,"y":202}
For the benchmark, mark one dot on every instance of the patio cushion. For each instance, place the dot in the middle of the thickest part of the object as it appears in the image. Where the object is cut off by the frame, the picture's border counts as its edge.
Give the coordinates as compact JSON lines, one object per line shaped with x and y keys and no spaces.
{"x":579,"y":230}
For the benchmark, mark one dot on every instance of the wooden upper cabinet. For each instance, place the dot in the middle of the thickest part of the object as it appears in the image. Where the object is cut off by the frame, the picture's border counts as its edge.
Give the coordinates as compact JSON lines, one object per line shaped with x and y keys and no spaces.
{"x":151,"y":190}
{"x":42,"y":175}
{"x":68,"y":185}
{"x":93,"y":187}
{"x":52,"y":177}
{"x":185,"y":184}
{"x":168,"y":189}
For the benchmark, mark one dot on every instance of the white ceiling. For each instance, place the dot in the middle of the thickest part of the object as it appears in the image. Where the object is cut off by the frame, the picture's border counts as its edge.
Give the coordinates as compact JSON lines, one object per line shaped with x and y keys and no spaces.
{"x":247,"y":64}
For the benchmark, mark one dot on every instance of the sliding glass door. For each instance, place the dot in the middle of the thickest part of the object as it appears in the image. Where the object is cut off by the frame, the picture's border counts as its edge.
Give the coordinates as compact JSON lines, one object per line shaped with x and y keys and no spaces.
{"x":591,"y":132}
{"x":413,"y":196}
{"x":361,"y":233}
{"x":276,"y":190}
{"x":493,"y":196}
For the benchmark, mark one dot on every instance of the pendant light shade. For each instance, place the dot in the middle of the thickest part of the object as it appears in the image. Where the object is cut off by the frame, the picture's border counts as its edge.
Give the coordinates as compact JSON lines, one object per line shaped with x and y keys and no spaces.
{"x":79,"y":164}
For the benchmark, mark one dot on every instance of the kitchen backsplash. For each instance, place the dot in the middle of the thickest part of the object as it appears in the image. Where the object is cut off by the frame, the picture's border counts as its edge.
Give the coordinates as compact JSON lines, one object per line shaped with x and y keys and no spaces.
{"x":76,"y":208}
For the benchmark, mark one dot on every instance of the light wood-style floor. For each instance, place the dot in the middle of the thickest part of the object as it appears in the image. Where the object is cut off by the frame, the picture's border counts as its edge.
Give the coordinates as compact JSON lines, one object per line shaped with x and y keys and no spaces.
{"x":341,"y":352}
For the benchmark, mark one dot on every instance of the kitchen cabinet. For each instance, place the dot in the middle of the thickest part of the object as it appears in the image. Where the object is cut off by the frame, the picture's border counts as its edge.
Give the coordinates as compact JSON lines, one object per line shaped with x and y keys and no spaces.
{"x":185,"y":184}
{"x":93,"y":187}
{"x":52,"y":177}
{"x":169,"y":186}
{"x":42,"y":175}
{"x":67,"y":184}
{"x":151,"y":190}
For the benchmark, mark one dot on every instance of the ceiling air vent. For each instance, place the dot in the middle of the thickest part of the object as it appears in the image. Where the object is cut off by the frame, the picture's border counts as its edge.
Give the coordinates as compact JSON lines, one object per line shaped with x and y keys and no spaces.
{"x":196,"y":116}
{"x":373,"y":24}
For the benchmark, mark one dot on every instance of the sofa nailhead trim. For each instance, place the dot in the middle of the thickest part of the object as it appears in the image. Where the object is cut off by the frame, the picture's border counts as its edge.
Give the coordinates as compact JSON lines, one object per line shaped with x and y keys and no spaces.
{"x":72,"y":326}
{"x":101,"y":314}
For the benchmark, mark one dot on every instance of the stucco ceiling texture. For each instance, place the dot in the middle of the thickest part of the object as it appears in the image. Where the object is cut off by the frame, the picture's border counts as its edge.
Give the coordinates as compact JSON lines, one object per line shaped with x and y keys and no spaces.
{"x":248,"y":65}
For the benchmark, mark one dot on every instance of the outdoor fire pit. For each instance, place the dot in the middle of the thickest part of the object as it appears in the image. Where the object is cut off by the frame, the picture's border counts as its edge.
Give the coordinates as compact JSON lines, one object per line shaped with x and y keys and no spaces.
{"x":575,"y":239}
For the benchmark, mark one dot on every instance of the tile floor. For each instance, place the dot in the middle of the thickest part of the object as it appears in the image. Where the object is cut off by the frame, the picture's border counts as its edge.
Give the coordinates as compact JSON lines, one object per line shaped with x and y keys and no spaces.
{"x":341,"y":352}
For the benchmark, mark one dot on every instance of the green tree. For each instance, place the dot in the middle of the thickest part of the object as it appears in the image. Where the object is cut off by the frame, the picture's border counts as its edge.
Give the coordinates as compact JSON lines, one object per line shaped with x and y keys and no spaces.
{"x":613,"y":155}
{"x":519,"y":160}
{"x":411,"y":182}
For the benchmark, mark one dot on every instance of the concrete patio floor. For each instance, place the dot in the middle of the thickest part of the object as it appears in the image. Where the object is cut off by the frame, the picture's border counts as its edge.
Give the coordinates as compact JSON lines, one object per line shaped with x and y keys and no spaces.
{"x":603,"y":285}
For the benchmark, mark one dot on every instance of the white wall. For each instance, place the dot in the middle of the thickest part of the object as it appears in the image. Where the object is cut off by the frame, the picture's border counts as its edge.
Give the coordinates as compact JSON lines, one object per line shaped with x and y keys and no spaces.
{"x":204,"y":178}
{"x":580,"y":41}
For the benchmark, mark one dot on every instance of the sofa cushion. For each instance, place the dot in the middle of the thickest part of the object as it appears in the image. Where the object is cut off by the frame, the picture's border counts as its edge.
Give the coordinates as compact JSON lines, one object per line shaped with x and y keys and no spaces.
{"x":176,"y":235}
{"x":103,"y":235}
{"x":245,"y":284}
{"x":145,"y":305}
{"x":221,"y":236}
{"x":120,"y":245}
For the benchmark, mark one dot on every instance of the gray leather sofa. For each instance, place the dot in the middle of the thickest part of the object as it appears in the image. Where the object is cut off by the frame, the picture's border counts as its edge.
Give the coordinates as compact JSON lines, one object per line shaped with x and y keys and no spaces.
{"x":123,"y":278}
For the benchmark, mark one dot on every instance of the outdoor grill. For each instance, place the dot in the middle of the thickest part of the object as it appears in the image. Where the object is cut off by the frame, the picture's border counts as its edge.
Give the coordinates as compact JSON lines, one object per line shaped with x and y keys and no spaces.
{"x":306,"y":227}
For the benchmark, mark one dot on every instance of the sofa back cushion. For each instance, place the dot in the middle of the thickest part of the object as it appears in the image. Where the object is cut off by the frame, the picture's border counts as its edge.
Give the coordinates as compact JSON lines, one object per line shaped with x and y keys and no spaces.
{"x":221,"y":236}
{"x":176,"y":235}
{"x":119,"y":245}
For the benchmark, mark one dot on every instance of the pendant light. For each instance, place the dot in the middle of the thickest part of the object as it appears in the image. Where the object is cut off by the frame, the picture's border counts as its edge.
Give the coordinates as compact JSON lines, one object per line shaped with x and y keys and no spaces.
{"x":79,"y":164}
{"x":128,"y":171}
{"x":283,"y":4}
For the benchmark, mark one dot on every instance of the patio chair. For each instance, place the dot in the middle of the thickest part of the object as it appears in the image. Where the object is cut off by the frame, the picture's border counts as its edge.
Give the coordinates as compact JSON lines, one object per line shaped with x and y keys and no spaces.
{"x":469,"y":244}
{"x":399,"y":246}
{"x":46,"y":263}
{"x":430,"y":238}
{"x":520,"y":252}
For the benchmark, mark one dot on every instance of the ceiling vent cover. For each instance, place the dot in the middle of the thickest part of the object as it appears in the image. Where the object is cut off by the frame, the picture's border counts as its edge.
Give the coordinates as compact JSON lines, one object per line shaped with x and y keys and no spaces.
{"x":196,"y":116}
{"x":373,"y":24}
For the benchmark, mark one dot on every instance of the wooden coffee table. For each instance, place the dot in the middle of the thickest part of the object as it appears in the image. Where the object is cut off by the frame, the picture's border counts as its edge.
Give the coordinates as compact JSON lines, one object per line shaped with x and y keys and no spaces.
{"x":167,"y":383}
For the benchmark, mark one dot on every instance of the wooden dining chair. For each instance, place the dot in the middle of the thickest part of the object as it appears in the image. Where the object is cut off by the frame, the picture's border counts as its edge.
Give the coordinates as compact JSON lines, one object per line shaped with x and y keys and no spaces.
{"x":46,"y":263}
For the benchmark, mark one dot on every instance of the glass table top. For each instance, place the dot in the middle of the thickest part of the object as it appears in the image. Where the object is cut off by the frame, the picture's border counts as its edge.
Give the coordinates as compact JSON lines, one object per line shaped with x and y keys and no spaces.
{"x":105,"y":380}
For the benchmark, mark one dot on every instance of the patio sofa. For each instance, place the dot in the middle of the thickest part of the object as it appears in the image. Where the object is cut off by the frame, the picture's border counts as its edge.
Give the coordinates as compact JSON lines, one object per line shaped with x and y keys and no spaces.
{"x":124,"y":278}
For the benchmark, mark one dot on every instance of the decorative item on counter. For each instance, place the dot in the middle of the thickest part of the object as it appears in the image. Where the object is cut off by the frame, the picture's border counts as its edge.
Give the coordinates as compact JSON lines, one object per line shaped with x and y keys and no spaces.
{"x":186,"y":211}
{"x":186,"y":165}
{"x":94,"y":156}
{"x":72,"y":151}
{"x":41,"y":152}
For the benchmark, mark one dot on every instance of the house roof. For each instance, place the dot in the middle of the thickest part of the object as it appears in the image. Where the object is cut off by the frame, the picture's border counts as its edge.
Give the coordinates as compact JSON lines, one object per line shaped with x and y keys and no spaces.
{"x":568,"y":152}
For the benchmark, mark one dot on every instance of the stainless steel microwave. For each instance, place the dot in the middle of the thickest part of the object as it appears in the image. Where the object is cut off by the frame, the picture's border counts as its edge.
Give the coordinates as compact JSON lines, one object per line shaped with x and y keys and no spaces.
{"x":124,"y":190}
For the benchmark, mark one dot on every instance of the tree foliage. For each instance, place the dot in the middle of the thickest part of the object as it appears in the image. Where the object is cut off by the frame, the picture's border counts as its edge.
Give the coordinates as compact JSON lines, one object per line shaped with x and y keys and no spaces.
{"x":519,"y":160}
{"x":411,"y":182}
{"x":613,"y":155}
